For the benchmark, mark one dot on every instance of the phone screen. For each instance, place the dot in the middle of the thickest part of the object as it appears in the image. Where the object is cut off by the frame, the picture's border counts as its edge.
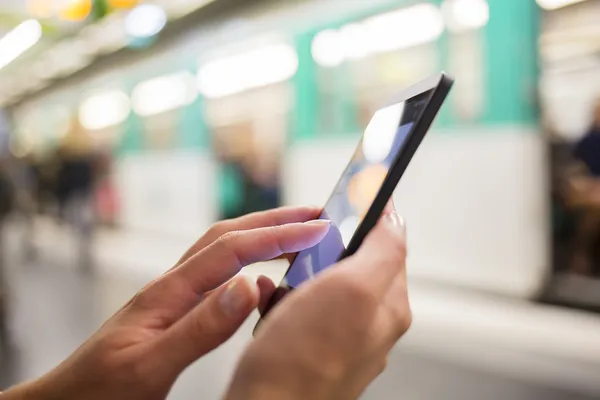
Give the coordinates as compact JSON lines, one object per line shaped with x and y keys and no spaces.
{"x":356,"y":190}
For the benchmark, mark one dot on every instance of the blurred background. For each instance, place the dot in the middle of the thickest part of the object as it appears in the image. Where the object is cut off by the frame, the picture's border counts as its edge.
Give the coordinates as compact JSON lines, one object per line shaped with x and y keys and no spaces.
{"x":128,"y":127}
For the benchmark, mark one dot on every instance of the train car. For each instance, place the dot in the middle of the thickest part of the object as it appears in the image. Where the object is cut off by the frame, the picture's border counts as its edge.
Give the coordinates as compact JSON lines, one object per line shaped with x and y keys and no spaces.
{"x":263,"y":106}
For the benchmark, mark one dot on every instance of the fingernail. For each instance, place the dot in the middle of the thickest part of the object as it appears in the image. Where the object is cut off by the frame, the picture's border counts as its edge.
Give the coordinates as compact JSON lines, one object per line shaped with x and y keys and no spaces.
{"x":235,"y":299}
{"x":396,"y":221}
{"x":319,"y":222}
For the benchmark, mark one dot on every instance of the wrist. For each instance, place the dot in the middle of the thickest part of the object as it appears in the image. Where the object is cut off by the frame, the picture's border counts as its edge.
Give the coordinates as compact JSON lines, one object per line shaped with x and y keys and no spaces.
{"x":256,"y":384}
{"x":267,"y":391}
{"x":25,"y":391}
{"x":48,"y":387}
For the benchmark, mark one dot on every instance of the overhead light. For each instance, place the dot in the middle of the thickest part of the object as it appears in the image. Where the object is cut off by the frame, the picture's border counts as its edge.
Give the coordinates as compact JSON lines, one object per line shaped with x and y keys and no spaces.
{"x":405,"y":28}
{"x":464,"y":15}
{"x":556,"y":4}
{"x":395,"y":30}
{"x":354,"y":41}
{"x":251,"y":69}
{"x":163,"y":94}
{"x":104,"y":109}
{"x":145,"y":21}
{"x":327,"y":48}
{"x":19,"y":40}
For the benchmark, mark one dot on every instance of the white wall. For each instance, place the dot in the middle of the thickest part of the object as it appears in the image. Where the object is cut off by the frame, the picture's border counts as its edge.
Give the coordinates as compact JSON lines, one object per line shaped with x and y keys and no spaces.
{"x":170,"y":193}
{"x":475,"y":202}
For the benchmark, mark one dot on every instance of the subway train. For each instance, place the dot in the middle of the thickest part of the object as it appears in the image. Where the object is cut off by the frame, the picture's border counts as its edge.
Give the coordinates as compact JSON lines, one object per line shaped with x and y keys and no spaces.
{"x":285,"y":89}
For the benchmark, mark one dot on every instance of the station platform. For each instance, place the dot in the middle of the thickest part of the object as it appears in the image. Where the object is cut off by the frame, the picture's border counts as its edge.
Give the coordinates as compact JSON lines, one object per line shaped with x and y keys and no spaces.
{"x":540,"y":348}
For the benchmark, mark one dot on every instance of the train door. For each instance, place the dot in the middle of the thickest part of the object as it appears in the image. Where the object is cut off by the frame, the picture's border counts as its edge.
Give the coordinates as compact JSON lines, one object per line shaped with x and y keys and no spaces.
{"x":570,"y":78}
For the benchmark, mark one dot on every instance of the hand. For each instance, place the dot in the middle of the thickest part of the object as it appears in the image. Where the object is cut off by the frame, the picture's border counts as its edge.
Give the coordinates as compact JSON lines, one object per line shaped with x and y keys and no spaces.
{"x":330,"y":337}
{"x":181,"y":316}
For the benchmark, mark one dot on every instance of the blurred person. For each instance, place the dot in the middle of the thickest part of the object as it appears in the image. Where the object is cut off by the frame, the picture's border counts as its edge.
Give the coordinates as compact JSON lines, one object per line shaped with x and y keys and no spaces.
{"x":27,"y":183}
{"x":254,"y":175}
{"x":261,"y":182}
{"x":75,"y":188}
{"x":106,"y":199}
{"x":587,"y":150}
{"x":584,"y":187}
{"x":6,"y":205}
{"x":329,"y":339}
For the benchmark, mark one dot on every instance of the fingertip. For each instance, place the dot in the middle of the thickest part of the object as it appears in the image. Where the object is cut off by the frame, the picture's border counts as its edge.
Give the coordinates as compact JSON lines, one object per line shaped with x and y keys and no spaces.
{"x":390,"y":207}
{"x":299,"y":236}
{"x":264,"y":282}
{"x":319,"y":228}
{"x":324,"y":224}
{"x":314,"y":207}
{"x":396,"y":224}
{"x":307,"y":212}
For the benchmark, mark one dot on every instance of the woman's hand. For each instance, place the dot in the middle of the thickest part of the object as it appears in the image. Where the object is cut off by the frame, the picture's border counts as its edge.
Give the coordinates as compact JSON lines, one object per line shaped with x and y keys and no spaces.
{"x":181,"y":316}
{"x":330,"y":337}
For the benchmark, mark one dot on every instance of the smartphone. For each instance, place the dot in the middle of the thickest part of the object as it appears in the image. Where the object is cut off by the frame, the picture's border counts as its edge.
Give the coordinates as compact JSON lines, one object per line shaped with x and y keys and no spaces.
{"x":366,"y":185}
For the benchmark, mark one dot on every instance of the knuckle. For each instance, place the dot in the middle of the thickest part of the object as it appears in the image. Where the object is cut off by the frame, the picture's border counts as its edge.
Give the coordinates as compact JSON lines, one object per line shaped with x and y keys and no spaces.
{"x":399,"y":250}
{"x":228,"y":239}
{"x":273,"y":234}
{"x":217,"y":230}
{"x":143,"y":298}
{"x":383,"y":363}
{"x":229,"y":236}
{"x":404,"y":321}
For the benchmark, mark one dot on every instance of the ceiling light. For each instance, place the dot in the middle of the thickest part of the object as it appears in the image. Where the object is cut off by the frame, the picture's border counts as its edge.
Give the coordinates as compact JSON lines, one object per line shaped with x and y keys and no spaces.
{"x":463,"y":15}
{"x":145,"y":21}
{"x":163,"y":94}
{"x":19,"y":40}
{"x":248,"y":70}
{"x":405,"y":28}
{"x":327,"y":48}
{"x":386,"y":32}
{"x":104,"y":110}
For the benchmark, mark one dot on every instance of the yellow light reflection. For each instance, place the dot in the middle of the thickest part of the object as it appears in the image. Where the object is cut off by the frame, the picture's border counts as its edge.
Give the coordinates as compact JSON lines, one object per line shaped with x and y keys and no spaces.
{"x":76,"y":10}
{"x":123,"y":3}
{"x":363,"y":188}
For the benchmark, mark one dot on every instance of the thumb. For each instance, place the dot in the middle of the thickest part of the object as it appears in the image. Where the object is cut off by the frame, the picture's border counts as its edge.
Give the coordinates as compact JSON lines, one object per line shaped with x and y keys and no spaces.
{"x":210,"y":324}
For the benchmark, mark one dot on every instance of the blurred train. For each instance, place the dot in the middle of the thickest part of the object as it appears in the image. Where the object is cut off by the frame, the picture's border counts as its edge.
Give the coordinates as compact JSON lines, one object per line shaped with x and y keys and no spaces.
{"x":282,"y":91}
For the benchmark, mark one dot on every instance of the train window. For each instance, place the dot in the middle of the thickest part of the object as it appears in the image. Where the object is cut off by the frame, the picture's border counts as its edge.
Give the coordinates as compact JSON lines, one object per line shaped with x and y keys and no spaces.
{"x":362,"y":64}
{"x":335,"y":113}
{"x":350,"y":93}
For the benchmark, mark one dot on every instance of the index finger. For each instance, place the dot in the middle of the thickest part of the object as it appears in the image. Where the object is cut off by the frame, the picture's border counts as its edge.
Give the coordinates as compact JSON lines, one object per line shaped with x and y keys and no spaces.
{"x":262,"y":219}
{"x":224,"y":258}
{"x":382,"y":255}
